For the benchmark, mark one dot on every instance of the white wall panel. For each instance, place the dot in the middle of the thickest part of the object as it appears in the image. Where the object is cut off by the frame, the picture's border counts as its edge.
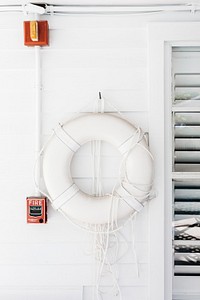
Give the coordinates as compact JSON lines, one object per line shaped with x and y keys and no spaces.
{"x":79,"y":78}
{"x":15,"y":167}
{"x":19,"y":188}
{"x":57,"y":229}
{"x":97,"y":38}
{"x":17,"y":59}
{"x":16,"y":100}
{"x":93,"y":58}
{"x":17,"y":79}
{"x":63,"y":275}
{"x":12,"y":123}
{"x":64,"y":253}
{"x":16,"y":145}
{"x":110,"y":166}
{"x":86,"y":55}
{"x":42,"y":293}
{"x":11,"y":38}
{"x":128,"y":292}
{"x":12,"y":21}
{"x":96,"y":21}
{"x":69,"y":100}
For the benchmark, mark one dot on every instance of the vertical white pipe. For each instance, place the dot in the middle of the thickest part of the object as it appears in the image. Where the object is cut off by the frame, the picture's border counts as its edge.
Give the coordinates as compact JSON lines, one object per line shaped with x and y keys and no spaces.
{"x":38,"y":115}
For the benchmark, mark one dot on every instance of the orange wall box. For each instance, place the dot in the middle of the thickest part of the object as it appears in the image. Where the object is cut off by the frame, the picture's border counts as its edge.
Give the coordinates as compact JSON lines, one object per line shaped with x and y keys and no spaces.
{"x":36,"y":210}
{"x":36,"y":33}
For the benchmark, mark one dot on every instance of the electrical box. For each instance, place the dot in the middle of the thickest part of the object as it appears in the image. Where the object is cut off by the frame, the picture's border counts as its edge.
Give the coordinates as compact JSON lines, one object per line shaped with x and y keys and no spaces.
{"x":36,"y":33}
{"x":36,"y":210}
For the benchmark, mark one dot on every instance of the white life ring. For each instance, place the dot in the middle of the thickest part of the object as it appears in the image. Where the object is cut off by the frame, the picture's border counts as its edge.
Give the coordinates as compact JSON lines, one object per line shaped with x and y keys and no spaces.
{"x":67,"y":197}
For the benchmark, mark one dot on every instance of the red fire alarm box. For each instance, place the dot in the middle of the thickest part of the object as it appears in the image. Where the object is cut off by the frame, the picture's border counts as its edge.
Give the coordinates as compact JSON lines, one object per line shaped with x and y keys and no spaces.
{"x":36,"y":210}
{"x":36,"y":33}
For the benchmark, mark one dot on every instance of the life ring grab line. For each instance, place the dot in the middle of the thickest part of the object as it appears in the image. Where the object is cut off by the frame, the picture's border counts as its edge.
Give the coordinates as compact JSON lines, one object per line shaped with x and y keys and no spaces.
{"x":140,"y":139}
{"x":127,"y":144}
{"x":64,"y":137}
{"x":122,"y":193}
{"x":66,"y":196}
{"x":129,"y":199}
{"x":73,"y":145}
{"x":64,"y":131}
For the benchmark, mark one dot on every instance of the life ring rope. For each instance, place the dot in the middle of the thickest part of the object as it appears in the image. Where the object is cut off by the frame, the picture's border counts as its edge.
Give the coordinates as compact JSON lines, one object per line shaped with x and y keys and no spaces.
{"x":129,"y":199}
{"x":64,"y":137}
{"x":66,"y":196}
{"x":128,"y":144}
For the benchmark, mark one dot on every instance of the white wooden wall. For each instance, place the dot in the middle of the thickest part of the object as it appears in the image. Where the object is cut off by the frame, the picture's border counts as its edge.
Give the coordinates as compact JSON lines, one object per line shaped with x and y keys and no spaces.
{"x":87,"y":54}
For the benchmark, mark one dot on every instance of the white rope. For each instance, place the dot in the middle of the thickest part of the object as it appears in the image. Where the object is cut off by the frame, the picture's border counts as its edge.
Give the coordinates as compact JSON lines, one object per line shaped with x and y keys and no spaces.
{"x":104,"y":246}
{"x":96,"y":154}
{"x":133,"y":141}
{"x":65,"y":196}
{"x":133,"y":225}
{"x":66,"y":139}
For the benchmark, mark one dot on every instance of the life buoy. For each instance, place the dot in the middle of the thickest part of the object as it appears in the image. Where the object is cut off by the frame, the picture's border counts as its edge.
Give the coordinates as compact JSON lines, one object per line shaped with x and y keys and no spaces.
{"x":67,"y":198}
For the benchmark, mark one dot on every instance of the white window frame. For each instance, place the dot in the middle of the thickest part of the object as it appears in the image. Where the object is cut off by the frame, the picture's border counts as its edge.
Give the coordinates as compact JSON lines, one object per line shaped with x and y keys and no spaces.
{"x":162,"y":37}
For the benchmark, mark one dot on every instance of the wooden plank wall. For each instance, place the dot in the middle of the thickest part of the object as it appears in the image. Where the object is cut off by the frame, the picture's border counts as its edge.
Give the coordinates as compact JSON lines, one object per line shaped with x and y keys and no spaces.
{"x":87,"y":54}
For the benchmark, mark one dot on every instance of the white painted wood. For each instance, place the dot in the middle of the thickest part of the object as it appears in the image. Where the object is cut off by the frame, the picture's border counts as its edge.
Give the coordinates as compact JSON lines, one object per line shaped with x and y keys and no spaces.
{"x":127,"y":292}
{"x":16,"y":59}
{"x":156,"y":133}
{"x":62,"y":276}
{"x":110,"y":167}
{"x":79,"y":79}
{"x":12,"y":124}
{"x":17,"y":79}
{"x":94,"y":58}
{"x":73,"y":74}
{"x":69,"y":101}
{"x":42,"y":293}
{"x":16,"y":146}
{"x":12,"y":38}
{"x":55,"y":253}
{"x":98,"y":38}
{"x":87,"y":54}
{"x":61,"y":230}
{"x":16,"y":101}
